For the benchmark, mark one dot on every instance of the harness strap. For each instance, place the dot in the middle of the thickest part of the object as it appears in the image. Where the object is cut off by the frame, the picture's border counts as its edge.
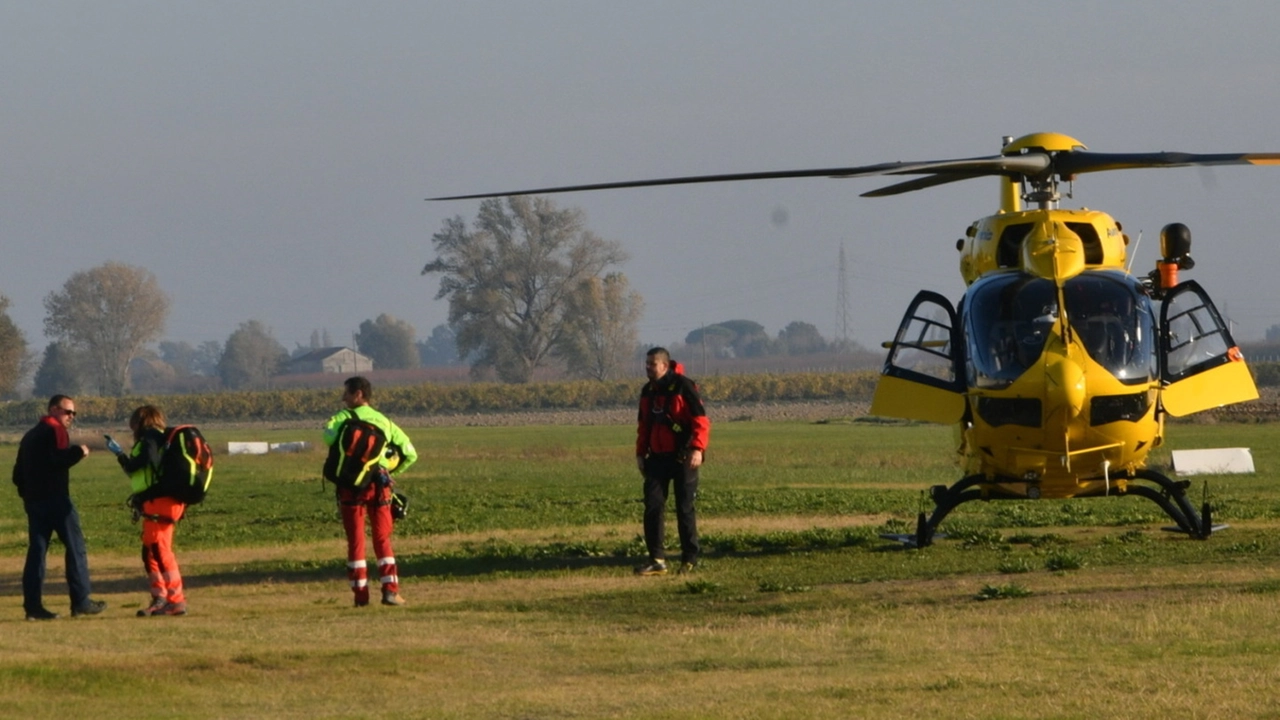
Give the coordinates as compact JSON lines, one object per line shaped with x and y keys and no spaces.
{"x":683,"y":435}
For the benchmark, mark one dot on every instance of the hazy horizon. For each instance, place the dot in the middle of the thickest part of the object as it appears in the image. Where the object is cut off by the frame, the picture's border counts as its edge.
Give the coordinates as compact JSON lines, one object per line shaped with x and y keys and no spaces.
{"x":270,"y":161}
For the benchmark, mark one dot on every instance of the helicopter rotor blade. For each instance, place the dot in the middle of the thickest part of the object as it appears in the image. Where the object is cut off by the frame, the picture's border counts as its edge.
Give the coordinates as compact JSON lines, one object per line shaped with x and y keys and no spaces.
{"x":1035,"y":165}
{"x":921,"y":183}
{"x":731,"y":177}
{"x":1084,"y":161}
{"x":960,"y":169}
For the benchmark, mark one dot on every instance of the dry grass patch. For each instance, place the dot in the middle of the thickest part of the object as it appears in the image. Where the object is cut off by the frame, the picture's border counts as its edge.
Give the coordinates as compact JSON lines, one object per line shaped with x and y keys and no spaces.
{"x":1132,"y":642}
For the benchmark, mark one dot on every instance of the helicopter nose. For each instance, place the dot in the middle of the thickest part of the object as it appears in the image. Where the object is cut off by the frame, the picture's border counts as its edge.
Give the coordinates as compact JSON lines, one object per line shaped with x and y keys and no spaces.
{"x":1065,"y":386}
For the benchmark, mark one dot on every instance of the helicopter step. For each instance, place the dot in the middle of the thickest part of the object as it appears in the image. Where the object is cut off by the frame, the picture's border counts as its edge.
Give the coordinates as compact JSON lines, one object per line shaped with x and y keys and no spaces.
{"x":1170,"y":495}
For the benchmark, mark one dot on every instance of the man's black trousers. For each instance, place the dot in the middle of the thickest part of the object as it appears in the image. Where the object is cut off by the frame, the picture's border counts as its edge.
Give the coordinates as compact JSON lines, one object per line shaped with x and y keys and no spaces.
{"x":661,"y":472}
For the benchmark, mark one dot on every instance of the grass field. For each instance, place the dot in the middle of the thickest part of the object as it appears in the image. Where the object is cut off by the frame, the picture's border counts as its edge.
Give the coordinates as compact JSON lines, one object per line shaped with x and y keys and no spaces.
{"x":516,"y":562}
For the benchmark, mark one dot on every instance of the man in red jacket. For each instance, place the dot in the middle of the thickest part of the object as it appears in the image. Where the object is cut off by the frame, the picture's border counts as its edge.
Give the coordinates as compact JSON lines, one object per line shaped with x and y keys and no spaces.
{"x":670,"y":440}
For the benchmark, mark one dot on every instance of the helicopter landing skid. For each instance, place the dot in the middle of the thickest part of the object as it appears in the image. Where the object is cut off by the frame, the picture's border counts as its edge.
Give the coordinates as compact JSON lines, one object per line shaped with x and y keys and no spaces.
{"x":1171,"y":496}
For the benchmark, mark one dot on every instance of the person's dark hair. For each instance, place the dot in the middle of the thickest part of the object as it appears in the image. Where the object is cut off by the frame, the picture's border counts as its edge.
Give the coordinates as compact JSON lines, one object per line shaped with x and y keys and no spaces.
{"x":359,"y":384}
{"x":147,"y":416}
{"x":659,"y":353}
{"x":56,"y":401}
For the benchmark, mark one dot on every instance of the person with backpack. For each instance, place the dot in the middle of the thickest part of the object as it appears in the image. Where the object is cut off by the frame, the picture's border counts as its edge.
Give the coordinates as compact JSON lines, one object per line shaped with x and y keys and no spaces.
{"x":671,"y":438}
{"x":159,"y":511}
{"x":365,"y":450}
{"x":42,"y":473}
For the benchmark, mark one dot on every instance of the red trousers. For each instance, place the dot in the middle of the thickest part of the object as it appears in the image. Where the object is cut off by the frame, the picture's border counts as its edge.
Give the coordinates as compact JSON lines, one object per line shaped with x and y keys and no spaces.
{"x":373,"y":500}
{"x":159,"y":516}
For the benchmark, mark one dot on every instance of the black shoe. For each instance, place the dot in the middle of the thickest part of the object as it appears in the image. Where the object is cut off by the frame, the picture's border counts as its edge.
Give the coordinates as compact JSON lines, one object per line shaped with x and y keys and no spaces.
{"x":41,"y":614}
{"x":91,"y":607}
{"x":653,"y":567}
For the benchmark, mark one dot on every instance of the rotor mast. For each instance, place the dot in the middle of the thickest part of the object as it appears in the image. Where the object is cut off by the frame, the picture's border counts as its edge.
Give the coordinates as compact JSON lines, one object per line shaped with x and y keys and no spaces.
{"x":1010,"y":196}
{"x":1041,"y":189}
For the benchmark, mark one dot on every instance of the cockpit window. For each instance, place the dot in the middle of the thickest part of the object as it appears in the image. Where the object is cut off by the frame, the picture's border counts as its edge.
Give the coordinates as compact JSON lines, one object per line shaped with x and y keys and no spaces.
{"x":1010,"y":315}
{"x":1114,"y":322}
{"x":1008,"y":320}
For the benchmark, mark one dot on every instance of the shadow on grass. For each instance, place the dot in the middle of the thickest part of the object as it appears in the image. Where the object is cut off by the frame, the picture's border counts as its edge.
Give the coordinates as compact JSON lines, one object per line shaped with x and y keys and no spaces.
{"x":481,"y":561}
{"x":409,"y":567}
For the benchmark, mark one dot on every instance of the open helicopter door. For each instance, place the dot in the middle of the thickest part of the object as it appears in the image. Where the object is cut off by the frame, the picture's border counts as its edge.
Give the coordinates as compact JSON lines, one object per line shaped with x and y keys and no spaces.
{"x":1200,"y":365}
{"x":922,"y":377}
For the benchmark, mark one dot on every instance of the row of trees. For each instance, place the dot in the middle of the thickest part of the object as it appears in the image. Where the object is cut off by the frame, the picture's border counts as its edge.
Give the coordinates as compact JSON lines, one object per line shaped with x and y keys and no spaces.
{"x":249,"y":358}
{"x":528,"y":285}
{"x":100,"y":321}
{"x":748,"y":339}
{"x":103,"y":321}
{"x":253,"y":356}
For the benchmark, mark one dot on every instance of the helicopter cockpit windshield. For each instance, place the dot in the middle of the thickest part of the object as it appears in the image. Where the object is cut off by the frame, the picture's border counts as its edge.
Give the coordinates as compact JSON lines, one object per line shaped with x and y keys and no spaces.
{"x":1010,"y":315}
{"x":1008,"y":320}
{"x":1113,"y":318}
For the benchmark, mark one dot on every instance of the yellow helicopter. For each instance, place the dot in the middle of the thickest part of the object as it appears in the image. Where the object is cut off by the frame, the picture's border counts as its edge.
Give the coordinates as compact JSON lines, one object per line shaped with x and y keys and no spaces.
{"x":1058,"y":366}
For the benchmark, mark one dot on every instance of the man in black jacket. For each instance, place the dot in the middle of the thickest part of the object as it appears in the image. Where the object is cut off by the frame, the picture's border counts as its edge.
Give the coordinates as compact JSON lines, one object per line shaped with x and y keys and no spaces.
{"x":42,"y":474}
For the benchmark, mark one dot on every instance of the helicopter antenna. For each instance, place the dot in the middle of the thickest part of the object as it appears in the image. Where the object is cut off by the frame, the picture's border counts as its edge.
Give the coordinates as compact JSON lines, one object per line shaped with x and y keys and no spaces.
{"x":1134,"y":255}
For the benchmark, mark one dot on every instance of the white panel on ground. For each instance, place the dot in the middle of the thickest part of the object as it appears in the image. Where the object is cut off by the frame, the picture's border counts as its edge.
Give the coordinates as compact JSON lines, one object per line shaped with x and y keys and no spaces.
{"x":247,"y":448}
{"x":296,"y":446}
{"x":1213,"y":461}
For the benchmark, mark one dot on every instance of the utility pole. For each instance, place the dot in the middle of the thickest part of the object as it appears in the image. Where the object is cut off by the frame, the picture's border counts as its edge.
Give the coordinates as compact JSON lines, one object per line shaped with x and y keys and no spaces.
{"x":704,"y":349}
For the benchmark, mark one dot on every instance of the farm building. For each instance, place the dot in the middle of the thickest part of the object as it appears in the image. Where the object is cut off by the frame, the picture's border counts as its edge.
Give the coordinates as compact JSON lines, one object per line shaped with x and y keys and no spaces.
{"x":329,"y":360}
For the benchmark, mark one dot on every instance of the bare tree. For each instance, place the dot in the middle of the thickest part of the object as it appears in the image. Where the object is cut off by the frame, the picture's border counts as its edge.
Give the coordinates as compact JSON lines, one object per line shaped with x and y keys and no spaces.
{"x":251,"y":357}
{"x":509,"y":280}
{"x":602,"y":336}
{"x":13,"y":351}
{"x":110,"y":312}
{"x":389,"y":341}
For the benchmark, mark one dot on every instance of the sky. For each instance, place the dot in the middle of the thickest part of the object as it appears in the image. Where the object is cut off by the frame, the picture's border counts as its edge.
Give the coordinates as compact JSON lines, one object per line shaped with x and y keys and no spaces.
{"x":270,"y":160}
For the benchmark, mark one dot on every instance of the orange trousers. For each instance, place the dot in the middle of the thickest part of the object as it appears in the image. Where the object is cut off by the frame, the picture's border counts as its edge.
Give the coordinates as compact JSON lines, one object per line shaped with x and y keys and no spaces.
{"x":374,"y":501}
{"x":159,"y":516}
